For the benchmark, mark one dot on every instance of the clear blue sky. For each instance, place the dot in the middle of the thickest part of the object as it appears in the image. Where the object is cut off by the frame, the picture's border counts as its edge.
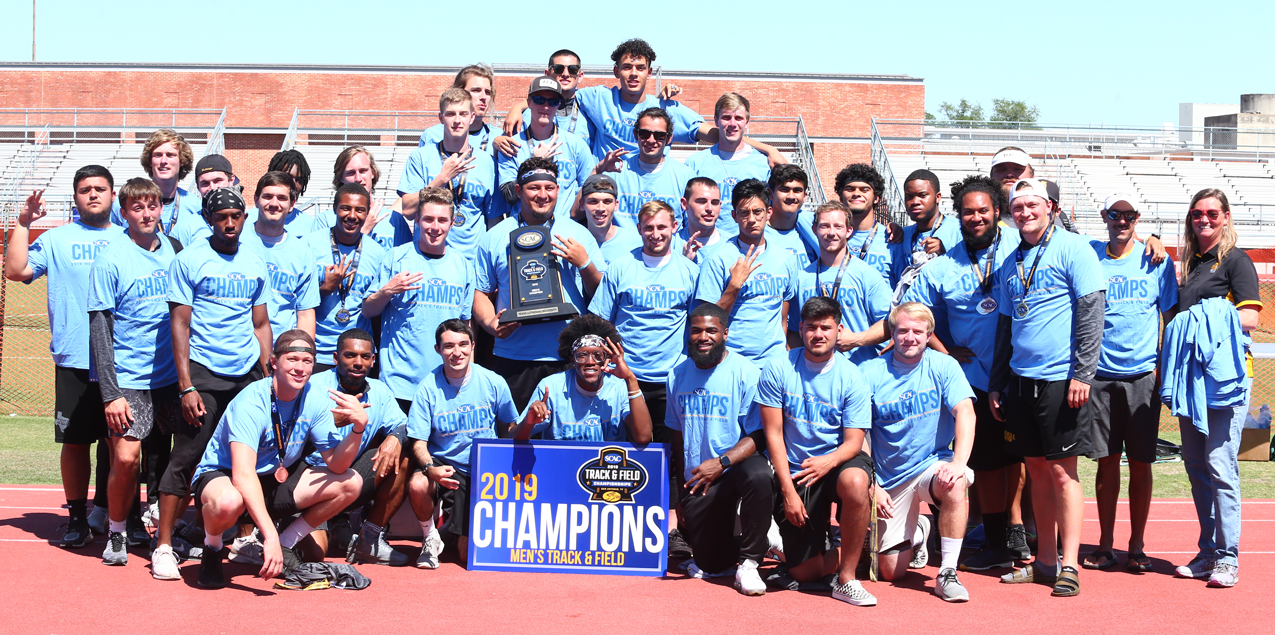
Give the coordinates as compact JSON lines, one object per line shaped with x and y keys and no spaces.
{"x":1106,"y":61}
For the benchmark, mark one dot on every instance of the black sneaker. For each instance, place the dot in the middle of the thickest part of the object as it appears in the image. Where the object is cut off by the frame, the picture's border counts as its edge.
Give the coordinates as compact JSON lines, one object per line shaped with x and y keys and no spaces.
{"x":678,"y":549}
{"x":987,"y":559}
{"x":136,"y":532}
{"x":291,"y":559}
{"x":77,"y":534}
{"x":210,"y":573}
{"x":1016,"y":542}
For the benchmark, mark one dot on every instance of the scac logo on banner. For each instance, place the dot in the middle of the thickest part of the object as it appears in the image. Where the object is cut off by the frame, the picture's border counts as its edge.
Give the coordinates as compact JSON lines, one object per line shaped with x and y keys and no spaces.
{"x":568,"y":507}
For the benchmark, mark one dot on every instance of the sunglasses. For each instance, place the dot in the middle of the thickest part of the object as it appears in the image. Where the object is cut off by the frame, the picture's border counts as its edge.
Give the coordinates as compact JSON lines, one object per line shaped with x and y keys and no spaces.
{"x":659,"y":135}
{"x":571,"y":69}
{"x":1200,"y":213}
{"x":541,"y":100}
{"x":1128,"y":216}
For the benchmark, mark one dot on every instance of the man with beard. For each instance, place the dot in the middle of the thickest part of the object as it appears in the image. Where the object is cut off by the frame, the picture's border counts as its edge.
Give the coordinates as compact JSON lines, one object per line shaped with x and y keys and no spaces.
{"x":730,"y":160}
{"x":816,"y":409}
{"x":526,"y":354}
{"x":349,"y":267}
{"x":788,"y":186}
{"x":750,"y":279}
{"x":711,"y":395}
{"x":857,"y":288}
{"x":66,"y":254}
{"x":860,"y":188}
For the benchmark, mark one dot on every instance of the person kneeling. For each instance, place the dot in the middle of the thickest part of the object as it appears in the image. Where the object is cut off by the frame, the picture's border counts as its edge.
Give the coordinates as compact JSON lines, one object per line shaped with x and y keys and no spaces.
{"x":921,"y":403}
{"x":252,"y":463}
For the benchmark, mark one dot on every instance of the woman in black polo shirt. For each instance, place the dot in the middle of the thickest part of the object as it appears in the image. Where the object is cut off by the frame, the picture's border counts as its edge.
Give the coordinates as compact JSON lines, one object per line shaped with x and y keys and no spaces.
{"x":1211,"y":266}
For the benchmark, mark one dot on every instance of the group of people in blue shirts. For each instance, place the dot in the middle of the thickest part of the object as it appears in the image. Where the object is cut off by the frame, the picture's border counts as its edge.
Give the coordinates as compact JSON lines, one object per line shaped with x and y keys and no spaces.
{"x":284,"y":370}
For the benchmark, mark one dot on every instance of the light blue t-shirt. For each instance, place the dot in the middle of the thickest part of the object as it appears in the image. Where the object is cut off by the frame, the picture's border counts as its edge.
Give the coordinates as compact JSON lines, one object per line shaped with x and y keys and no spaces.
{"x":297,"y":223}
{"x":951,"y":288}
{"x":639,"y":184}
{"x":877,"y":254}
{"x":747,"y":163}
{"x":367,"y":280}
{"x":410,"y":318}
{"x":711,"y":407}
{"x":863,"y":297}
{"x":482,"y":140}
{"x":806,"y":229}
{"x":531,"y":342}
{"x":248,"y":421}
{"x":1137,"y":292}
{"x":817,"y":406}
{"x":383,"y":415}
{"x":948,"y":232}
{"x":470,"y":223}
{"x":621,"y":245}
{"x":575,"y":164}
{"x":684,"y":234}
{"x":574,"y":122}
{"x":790,"y":240}
{"x":1068,"y":270}
{"x":132,"y":283}
{"x":448,"y":418}
{"x":613,"y":118}
{"x":392,"y":230}
{"x":66,"y":253}
{"x":912,"y":422}
{"x":221,"y":290}
{"x":574,"y":416}
{"x":292,"y":278}
{"x":757,"y":319}
{"x":185,"y":203}
{"x":648,"y":306}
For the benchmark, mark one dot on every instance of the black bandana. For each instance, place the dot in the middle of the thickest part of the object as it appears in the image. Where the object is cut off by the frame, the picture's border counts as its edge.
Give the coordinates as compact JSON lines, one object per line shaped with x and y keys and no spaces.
{"x":223,"y":198}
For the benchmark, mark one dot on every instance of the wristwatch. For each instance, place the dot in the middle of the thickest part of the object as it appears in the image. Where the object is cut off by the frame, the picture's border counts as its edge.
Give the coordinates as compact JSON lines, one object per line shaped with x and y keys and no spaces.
{"x":724,"y":460}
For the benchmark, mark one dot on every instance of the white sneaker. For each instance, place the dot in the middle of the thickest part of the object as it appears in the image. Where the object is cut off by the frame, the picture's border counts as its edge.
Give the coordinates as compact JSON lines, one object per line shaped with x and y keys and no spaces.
{"x":431,"y":547}
{"x":853,"y":593}
{"x":921,"y":552}
{"x":164,"y":564}
{"x":776,"y":542}
{"x":949,"y":588}
{"x":694,"y":571}
{"x":747,"y":580}
{"x":248,"y":550}
{"x":150,"y":517}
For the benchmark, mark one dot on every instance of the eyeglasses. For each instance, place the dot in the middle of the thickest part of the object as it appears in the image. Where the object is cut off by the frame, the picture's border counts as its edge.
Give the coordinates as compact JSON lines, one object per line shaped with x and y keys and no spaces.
{"x":659,"y":135}
{"x":582,"y":357}
{"x":1200,"y":213}
{"x":1114,"y":215}
{"x":571,"y":69}
{"x":541,"y":100}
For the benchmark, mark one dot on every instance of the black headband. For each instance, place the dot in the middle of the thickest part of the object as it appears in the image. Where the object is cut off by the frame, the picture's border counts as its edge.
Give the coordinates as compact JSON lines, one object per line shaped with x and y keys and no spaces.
{"x":539,"y":174}
{"x":223,"y":198}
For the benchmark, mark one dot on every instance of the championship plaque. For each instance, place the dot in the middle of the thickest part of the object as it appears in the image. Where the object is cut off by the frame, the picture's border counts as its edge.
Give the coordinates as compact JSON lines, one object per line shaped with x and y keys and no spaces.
{"x":535,"y":283}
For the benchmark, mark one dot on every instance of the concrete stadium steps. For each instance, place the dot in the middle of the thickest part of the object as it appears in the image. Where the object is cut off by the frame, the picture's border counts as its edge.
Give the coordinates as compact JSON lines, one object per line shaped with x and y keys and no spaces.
{"x":56,"y":164}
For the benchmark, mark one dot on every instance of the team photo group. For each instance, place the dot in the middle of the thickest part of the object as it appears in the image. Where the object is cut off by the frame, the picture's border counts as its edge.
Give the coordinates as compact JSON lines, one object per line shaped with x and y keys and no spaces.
{"x":845,"y":390}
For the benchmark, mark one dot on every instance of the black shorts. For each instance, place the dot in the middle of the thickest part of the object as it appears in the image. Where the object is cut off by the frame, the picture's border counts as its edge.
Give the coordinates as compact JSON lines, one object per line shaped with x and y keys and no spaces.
{"x":811,"y":540}
{"x":156,"y":408}
{"x":189,"y":442}
{"x":1126,"y":417}
{"x":1039,"y":423}
{"x":656,"y":396}
{"x":455,"y":502}
{"x":523,"y":376}
{"x":363,"y":467}
{"x":278,"y":496}
{"x":79,"y":417}
{"x":988,"y":453}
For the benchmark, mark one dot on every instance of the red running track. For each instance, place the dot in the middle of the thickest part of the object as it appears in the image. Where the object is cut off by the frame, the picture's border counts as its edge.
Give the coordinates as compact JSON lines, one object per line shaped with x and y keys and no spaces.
{"x":51,"y":590}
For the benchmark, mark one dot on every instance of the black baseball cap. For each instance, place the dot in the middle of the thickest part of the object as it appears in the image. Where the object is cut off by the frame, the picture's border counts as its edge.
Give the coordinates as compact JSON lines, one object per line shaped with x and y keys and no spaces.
{"x":213,"y":163}
{"x":543,"y":83}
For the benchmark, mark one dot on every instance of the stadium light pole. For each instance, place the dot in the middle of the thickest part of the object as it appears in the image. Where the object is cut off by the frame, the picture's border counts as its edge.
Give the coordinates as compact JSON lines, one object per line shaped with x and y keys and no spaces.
{"x":33,"y":30}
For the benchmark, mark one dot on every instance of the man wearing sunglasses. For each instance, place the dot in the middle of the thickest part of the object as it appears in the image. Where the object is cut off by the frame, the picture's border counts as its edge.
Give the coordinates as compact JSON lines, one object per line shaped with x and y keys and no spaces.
{"x":564,"y":66}
{"x":1126,"y":408}
{"x":544,"y":137}
{"x":649,"y":176}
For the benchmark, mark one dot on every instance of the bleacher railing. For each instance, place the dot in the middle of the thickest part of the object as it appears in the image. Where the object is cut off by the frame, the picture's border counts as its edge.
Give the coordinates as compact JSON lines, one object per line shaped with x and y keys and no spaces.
{"x":363,"y":127}
{"x":881,"y":162}
{"x":1077,"y":140}
{"x":11,"y":195}
{"x":106,"y":125}
{"x":217,"y":138}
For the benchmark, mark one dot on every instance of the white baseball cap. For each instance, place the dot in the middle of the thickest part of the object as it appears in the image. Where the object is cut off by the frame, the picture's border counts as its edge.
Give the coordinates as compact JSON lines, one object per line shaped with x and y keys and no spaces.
{"x":1011,"y":155}
{"x":1117,"y":197}
{"x":1029,"y":187}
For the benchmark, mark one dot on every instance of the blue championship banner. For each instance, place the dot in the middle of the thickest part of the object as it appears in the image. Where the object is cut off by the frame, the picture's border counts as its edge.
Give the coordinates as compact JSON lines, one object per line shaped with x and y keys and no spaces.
{"x":568,"y":507}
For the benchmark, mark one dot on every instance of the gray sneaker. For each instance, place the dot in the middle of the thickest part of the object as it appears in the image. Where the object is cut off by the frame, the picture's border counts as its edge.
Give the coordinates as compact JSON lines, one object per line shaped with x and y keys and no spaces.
{"x":374,"y":551}
{"x":853,"y":593}
{"x":431,"y":547}
{"x":949,"y":588}
{"x":1224,"y":575}
{"x":98,"y":521}
{"x":1199,"y":568}
{"x":116,"y":553}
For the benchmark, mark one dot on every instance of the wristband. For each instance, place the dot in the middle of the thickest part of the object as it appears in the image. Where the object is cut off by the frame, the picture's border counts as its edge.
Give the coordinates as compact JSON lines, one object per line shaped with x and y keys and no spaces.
{"x":187,"y":392}
{"x":635,"y":394}
{"x":1155,"y":236}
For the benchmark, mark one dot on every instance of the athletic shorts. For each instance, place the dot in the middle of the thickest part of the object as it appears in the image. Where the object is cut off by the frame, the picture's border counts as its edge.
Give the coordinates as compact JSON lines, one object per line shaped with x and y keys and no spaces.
{"x":363,"y":467}
{"x":1126,"y":417}
{"x":189,"y":442}
{"x":278,"y":496}
{"x":1039,"y":423}
{"x":455,"y":502}
{"x":895,"y":534}
{"x":79,"y":417}
{"x":150,"y":408}
{"x":988,"y":452}
{"x":812,"y":539}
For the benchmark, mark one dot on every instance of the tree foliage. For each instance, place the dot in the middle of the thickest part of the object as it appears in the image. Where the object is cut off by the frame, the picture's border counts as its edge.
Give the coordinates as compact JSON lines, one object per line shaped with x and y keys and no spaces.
{"x":1006,"y":113}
